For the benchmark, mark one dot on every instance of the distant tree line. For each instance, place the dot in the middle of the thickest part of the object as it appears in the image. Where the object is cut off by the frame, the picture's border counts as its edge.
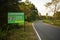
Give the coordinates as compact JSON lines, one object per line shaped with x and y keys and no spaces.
{"x":57,"y":16}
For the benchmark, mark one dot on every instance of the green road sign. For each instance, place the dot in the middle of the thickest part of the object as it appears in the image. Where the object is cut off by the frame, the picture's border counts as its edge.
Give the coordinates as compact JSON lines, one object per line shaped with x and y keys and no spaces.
{"x":16,"y":17}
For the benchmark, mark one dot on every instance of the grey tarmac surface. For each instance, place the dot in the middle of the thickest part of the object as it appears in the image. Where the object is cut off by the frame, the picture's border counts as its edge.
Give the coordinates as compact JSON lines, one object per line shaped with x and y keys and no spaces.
{"x":47,"y":31}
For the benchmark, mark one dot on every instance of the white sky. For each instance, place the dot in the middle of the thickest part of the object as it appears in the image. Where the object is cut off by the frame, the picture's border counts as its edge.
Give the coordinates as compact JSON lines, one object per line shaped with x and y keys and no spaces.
{"x":40,"y":5}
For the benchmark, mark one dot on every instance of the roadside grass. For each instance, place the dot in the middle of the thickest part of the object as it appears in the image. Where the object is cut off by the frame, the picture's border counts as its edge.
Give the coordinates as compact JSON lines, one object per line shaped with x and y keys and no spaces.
{"x":56,"y":23}
{"x":19,"y":34}
{"x":48,"y":21}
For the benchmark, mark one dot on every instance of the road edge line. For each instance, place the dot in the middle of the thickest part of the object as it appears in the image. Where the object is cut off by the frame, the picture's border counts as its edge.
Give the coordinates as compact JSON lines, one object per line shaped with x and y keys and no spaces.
{"x":36,"y":32}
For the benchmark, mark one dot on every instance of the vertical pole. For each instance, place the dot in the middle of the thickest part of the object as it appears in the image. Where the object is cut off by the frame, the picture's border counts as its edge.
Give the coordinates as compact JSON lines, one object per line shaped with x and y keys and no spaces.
{"x":24,"y":23}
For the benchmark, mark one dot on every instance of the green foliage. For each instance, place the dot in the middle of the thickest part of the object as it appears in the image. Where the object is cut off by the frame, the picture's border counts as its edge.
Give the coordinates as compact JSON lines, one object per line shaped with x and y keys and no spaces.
{"x":13,"y":6}
{"x":29,"y":10}
{"x":46,"y":15}
{"x":56,"y":22}
{"x":57,"y":15}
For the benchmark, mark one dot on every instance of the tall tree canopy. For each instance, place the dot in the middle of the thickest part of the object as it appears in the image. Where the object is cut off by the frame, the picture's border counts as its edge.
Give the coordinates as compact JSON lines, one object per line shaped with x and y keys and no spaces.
{"x":29,"y":10}
{"x":55,"y":3}
{"x":56,"y":8}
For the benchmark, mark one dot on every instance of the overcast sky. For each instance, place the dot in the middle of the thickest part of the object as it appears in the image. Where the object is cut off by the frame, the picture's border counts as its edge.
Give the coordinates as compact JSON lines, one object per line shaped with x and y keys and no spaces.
{"x":40,"y":5}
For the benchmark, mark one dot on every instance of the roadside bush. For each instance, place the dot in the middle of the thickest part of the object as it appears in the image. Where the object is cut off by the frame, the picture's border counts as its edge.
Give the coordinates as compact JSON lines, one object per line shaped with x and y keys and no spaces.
{"x":6,"y":30}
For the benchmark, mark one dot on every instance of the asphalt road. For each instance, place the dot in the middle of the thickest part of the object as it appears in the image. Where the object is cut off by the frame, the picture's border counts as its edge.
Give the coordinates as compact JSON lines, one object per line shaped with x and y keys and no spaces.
{"x":47,"y":31}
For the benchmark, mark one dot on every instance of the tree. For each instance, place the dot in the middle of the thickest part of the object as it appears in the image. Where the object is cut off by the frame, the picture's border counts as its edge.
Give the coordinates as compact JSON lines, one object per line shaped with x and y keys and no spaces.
{"x":39,"y":16}
{"x":13,"y":6}
{"x":57,"y":15}
{"x":29,"y":10}
{"x":54,"y":2}
{"x":5,"y":7}
{"x":3,"y":12}
{"x":46,"y":15}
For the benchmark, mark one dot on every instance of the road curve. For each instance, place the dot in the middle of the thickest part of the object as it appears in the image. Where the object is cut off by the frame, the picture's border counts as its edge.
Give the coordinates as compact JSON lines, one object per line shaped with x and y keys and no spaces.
{"x":47,"y":31}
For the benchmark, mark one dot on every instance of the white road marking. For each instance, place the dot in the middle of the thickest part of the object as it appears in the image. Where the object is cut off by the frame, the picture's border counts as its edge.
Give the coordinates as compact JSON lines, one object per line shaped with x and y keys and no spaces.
{"x":36,"y":32}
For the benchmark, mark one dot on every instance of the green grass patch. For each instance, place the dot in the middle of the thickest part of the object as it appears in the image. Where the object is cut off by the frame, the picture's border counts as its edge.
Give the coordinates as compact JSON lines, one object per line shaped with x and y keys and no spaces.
{"x":19,"y":34}
{"x":48,"y":21}
{"x":57,"y":22}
